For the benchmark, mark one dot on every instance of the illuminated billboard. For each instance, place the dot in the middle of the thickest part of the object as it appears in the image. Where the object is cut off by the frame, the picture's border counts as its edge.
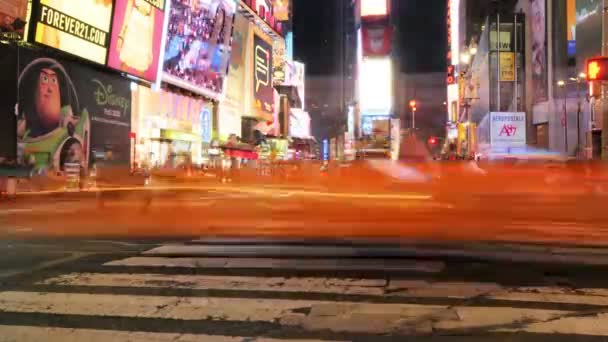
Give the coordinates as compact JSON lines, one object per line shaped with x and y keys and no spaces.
{"x":198,"y":47}
{"x":375,"y":86}
{"x":136,"y":37}
{"x":81,"y":28}
{"x":280,"y":9}
{"x":262,"y":78}
{"x":376,"y":39}
{"x":374,"y":8}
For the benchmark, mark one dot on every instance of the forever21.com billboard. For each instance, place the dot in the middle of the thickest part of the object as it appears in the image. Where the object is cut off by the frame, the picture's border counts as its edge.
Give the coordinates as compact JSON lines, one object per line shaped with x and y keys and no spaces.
{"x":78,"y":27}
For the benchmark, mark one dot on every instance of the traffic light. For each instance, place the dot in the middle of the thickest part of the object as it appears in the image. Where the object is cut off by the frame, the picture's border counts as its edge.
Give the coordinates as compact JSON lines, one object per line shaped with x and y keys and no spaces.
{"x":432,"y":141}
{"x":597,"y":69}
{"x":413,"y":105}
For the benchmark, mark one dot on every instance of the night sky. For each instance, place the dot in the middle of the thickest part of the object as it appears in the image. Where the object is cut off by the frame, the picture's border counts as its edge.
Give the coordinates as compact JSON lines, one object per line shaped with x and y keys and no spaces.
{"x":422,"y":31}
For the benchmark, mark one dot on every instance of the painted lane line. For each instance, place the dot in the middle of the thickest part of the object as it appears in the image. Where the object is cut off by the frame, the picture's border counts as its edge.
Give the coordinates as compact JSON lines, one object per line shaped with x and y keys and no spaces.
{"x":31,"y":333}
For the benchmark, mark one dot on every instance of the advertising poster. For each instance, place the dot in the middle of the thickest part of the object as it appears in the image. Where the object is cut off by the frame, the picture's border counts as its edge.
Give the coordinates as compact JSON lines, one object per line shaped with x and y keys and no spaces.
{"x":588,"y":30}
{"x":136,"y":37}
{"x":81,"y":28}
{"x":299,"y":80}
{"x":376,"y":86}
{"x":262,"y":78}
{"x":206,"y":123}
{"x":8,"y":110}
{"x":279,"y":62}
{"x":236,"y":72}
{"x":12,"y":18}
{"x":508,"y":129}
{"x":539,"y":51}
{"x":198,"y":45}
{"x":376,"y":40}
{"x":281,"y":9}
{"x":571,"y":21}
{"x":507,"y":67}
{"x":65,"y":111}
{"x":374,"y":8}
{"x":299,"y":124}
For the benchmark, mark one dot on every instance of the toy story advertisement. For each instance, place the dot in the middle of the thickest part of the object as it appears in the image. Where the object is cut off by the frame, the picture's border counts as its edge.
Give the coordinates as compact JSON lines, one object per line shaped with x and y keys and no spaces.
{"x":64,"y":111}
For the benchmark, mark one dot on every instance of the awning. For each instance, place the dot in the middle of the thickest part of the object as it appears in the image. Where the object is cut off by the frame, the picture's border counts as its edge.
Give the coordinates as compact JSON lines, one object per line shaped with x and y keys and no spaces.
{"x":170,"y":134}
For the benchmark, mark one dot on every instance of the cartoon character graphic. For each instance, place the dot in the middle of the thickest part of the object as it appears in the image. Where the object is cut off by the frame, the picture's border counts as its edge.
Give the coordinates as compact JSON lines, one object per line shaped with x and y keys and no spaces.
{"x":137,"y":36}
{"x":51,"y":126}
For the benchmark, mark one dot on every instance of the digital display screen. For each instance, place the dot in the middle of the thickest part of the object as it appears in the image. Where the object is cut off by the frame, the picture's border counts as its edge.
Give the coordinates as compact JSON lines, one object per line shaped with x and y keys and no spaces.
{"x":81,"y":28}
{"x":198,"y":44}
{"x":136,"y":37}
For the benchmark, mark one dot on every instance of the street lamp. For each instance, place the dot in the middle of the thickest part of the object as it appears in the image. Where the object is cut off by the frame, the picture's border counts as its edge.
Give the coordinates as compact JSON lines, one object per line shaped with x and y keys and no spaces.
{"x":562,"y":84}
{"x":465,"y":58}
{"x":413,"y":109}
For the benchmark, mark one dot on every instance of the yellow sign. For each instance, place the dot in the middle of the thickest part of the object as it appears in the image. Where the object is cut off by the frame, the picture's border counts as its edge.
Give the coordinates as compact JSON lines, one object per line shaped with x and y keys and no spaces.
{"x":78,"y":27}
{"x":507,"y":66}
{"x":461,"y":88}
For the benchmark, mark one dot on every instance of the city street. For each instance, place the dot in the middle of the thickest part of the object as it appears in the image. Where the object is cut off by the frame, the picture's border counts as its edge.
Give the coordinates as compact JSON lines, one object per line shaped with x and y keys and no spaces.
{"x":432,"y":252}
{"x":512,"y":205}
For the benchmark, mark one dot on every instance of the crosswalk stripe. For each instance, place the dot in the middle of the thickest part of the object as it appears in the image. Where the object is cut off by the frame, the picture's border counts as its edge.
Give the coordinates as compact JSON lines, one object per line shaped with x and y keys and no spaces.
{"x":362,"y":287}
{"x":36,"y":334}
{"x":189,"y":308}
{"x":336,"y":317}
{"x":373,"y":287}
{"x":150,"y":288}
{"x":283,"y":264}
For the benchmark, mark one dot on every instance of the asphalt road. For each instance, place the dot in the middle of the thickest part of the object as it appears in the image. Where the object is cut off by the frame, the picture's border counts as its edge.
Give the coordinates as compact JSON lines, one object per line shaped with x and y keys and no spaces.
{"x":129,"y":290}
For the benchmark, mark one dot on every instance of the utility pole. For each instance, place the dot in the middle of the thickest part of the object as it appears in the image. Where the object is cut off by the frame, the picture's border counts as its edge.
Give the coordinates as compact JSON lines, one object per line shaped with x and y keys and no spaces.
{"x":604,"y":97}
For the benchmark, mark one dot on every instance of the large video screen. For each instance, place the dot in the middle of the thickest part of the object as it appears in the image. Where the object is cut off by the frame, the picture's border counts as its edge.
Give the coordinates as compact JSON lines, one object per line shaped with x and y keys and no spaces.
{"x":198,"y":44}
{"x":375,"y":91}
{"x":80,"y":27}
{"x":136,"y":37}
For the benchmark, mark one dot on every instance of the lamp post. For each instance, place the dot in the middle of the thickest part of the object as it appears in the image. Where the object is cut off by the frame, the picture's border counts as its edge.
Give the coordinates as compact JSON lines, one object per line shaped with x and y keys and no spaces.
{"x":582,"y":76}
{"x":562,"y":85}
{"x":413,"y":109}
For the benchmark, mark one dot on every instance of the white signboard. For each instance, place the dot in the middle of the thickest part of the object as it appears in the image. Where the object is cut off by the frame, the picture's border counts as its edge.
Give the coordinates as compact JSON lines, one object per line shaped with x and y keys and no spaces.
{"x":507,"y":129}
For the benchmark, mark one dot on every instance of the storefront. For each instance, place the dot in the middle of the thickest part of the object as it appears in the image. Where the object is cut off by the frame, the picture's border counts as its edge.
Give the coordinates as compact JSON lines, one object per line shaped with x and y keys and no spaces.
{"x":171,"y":129}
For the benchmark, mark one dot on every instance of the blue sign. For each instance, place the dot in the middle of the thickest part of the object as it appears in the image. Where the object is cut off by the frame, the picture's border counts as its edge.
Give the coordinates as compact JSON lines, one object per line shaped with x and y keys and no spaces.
{"x":206,"y":125}
{"x":572,"y":48}
{"x":325,"y":149}
{"x":289,"y":46}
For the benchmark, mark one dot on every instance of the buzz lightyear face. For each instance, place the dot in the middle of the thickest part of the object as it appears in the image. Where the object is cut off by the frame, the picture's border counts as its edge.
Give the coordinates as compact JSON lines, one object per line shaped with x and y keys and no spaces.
{"x":48,"y":99}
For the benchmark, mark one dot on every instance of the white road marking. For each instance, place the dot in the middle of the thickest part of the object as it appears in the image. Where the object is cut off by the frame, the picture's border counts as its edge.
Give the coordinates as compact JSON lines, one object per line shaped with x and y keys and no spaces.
{"x":192,"y":308}
{"x":323,"y":315}
{"x":36,"y":334}
{"x":374,"y":287}
{"x":284,"y":264}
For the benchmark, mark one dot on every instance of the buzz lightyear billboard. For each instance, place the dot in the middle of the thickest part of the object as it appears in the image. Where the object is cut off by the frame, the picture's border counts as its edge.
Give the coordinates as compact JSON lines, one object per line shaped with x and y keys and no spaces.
{"x":51,"y":126}
{"x":65,"y":111}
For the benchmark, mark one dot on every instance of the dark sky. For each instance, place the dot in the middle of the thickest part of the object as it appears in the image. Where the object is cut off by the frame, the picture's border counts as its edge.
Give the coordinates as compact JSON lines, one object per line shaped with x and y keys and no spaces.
{"x":421,"y":25}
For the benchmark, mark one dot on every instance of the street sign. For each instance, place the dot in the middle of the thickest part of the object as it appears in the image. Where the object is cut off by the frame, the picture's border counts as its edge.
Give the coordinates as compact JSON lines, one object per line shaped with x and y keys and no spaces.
{"x":508,"y":129}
